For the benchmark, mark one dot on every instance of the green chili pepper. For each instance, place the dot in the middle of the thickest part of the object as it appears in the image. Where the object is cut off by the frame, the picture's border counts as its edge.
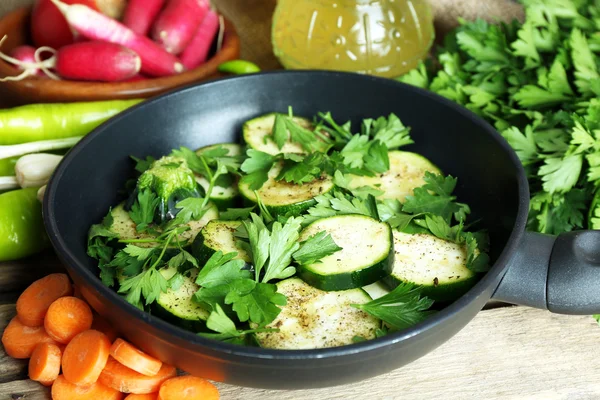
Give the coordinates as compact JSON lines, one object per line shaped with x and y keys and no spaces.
{"x":22,"y":230}
{"x":238,"y":67}
{"x":7,"y":166}
{"x":35,"y":122}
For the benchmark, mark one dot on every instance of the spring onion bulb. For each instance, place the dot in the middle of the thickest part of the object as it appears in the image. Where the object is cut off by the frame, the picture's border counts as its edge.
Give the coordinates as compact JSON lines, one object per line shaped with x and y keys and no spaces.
{"x":36,"y":147}
{"x":34,"y":170}
{"x":8,"y":183}
{"x":40,"y":194}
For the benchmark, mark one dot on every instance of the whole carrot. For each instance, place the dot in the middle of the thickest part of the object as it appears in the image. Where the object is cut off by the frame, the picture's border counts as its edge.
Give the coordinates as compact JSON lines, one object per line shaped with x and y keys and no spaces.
{"x":97,"y":26}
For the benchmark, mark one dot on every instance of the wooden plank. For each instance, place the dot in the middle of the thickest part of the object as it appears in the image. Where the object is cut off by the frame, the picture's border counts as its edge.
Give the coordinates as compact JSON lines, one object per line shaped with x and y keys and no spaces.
{"x":15,"y":276}
{"x":504,"y":354}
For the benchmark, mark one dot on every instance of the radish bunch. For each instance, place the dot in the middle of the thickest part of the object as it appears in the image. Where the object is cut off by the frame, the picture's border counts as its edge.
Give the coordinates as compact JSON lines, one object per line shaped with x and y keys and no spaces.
{"x":155,"y":38}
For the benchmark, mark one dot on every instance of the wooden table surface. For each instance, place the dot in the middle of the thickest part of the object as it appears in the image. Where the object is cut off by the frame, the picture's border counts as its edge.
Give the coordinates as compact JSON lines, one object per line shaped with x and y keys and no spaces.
{"x":505,"y":353}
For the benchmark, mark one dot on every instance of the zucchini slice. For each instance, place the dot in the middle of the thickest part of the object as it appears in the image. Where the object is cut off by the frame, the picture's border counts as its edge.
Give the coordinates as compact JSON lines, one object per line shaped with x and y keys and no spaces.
{"x":283,"y":198}
{"x":366,"y":256}
{"x":234,"y":149}
{"x":218,"y":235}
{"x":224,"y":196}
{"x":258,"y":135}
{"x":407,"y":172}
{"x":124,"y":226}
{"x":435,"y":264}
{"x":314,"y":319}
{"x":225,"y":193}
{"x":178,"y":306}
{"x":377,"y":289}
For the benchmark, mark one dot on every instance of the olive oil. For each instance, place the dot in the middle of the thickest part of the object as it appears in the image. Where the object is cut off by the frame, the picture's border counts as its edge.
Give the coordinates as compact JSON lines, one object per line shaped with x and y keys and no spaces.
{"x":378,"y":37}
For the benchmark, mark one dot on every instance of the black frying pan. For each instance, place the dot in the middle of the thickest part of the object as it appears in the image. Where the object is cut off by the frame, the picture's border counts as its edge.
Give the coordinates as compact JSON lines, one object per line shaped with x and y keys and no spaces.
{"x":559,"y":274}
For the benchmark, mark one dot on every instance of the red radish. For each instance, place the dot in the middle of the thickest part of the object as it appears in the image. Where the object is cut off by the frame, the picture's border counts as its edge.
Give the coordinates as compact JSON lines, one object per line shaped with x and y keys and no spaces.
{"x":89,"y":61}
{"x":97,"y":61}
{"x":140,"y":15}
{"x":48,"y":25}
{"x":197,"y":51}
{"x":26,"y":54}
{"x":178,"y":22}
{"x":96,"y":26}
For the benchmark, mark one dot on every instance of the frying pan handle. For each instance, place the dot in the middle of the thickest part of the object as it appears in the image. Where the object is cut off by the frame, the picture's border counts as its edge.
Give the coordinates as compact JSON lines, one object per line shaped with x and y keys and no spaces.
{"x":560,"y":274}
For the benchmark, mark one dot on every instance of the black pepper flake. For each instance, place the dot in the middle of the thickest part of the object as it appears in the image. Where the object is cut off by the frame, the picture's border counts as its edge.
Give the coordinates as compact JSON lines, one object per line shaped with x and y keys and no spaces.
{"x":436,"y":281}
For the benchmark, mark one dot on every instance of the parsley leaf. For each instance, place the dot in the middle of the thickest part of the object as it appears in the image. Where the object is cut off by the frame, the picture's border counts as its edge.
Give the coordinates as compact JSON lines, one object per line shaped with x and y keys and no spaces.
{"x":142,"y":210}
{"x":258,"y":306}
{"x":149,"y":284}
{"x":390,"y":131}
{"x":315,"y":248}
{"x":233,"y":214}
{"x":436,"y":197}
{"x":190,"y":209}
{"x":257,"y":167}
{"x":401,"y":308}
{"x":221,"y":269}
{"x":142,"y":165}
{"x":218,"y":321}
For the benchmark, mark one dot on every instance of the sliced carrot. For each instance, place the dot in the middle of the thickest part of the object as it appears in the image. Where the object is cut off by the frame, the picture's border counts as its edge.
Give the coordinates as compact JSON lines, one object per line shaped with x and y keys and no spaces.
{"x":146,"y":396}
{"x":66,"y":318}
{"x":85,"y":356}
{"x":133,"y":358}
{"x":20,"y":340}
{"x":188,"y":388}
{"x":126,"y":380}
{"x":44,"y":365}
{"x":33,"y":303}
{"x":62,"y":389}
{"x":102,"y":325}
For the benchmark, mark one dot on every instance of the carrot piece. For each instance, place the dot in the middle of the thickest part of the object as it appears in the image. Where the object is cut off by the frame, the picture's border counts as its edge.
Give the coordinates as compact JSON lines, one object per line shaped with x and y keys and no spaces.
{"x":133,"y":358}
{"x":102,"y":325}
{"x":33,"y":303}
{"x":62,"y":389}
{"x":44,"y":365}
{"x":20,"y":340}
{"x":85,"y":356}
{"x":126,"y":380}
{"x":66,"y":318}
{"x":188,"y":388}
{"x":146,"y":396}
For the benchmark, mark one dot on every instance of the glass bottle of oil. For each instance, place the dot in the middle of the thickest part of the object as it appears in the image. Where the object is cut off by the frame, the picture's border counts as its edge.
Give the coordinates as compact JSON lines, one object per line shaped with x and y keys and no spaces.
{"x":378,"y":37}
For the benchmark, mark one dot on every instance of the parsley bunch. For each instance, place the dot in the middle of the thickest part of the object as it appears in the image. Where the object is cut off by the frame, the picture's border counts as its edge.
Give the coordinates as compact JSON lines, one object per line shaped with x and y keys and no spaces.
{"x":538,"y":83}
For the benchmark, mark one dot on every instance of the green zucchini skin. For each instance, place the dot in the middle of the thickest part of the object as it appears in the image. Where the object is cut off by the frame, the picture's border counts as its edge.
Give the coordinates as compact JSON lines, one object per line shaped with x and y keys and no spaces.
{"x":217,"y":235}
{"x":436,"y":265}
{"x":324,"y":276}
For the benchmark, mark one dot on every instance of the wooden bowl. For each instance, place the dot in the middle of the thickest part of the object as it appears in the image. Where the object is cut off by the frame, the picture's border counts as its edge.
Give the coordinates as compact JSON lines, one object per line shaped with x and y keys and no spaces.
{"x":41,"y":90}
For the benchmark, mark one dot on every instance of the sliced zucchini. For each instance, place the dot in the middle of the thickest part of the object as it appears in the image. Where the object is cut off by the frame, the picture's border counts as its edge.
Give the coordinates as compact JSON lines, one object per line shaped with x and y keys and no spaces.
{"x":225,"y":196}
{"x":217,"y":235}
{"x":314,"y":319}
{"x":282,"y":198}
{"x":258,"y":135}
{"x":178,"y":306}
{"x":366,"y":256}
{"x":407,"y":172}
{"x":377,"y":289}
{"x":225,"y":193}
{"x":594,"y":214}
{"x":234,"y":149}
{"x":125,"y":227}
{"x":435,"y":264}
